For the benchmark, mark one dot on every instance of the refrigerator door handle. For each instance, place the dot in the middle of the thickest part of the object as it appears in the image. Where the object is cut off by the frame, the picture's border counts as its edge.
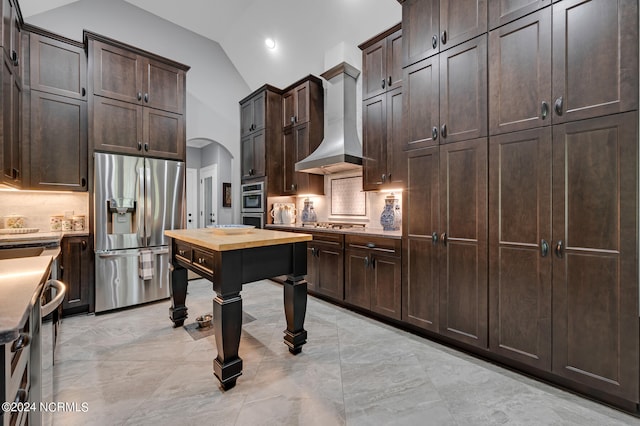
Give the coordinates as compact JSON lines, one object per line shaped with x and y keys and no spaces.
{"x":147,"y":203}
{"x":141,"y":206}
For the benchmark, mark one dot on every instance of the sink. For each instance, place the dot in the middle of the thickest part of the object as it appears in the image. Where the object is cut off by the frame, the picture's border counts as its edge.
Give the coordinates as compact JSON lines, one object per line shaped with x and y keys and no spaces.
{"x":12,"y":253}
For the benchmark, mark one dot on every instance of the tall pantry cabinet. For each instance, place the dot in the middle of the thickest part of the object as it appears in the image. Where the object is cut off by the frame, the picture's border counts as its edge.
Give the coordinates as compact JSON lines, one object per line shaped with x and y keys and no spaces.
{"x":560,"y":202}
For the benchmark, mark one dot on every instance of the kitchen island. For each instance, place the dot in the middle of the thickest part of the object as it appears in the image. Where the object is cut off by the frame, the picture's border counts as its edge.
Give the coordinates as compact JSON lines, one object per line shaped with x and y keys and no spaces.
{"x":229,"y":261}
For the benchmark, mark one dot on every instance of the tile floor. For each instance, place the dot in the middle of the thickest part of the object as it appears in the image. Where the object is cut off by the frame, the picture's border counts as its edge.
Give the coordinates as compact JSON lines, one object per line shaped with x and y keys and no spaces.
{"x":133,"y":368}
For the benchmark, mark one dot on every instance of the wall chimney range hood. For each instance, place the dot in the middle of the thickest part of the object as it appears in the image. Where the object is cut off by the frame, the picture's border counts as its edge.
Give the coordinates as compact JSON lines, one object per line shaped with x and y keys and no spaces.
{"x":340,"y":150}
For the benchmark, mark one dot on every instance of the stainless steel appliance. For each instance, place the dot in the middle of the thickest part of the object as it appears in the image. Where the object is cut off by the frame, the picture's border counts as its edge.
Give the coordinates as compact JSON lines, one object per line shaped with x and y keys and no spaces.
{"x":135,"y":200}
{"x":253,"y":204}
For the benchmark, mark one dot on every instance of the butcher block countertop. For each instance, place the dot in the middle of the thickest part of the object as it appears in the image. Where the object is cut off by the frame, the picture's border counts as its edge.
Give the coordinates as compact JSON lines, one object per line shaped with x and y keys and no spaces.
{"x":21,"y":282}
{"x":207,"y":238}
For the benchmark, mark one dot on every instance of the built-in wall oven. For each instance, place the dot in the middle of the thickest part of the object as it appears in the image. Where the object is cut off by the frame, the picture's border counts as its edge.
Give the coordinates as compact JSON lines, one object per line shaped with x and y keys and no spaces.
{"x":253,"y":204}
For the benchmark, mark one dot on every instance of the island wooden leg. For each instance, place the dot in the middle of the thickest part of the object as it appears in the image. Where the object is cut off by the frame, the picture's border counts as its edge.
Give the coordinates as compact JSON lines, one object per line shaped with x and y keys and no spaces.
{"x":227,"y":318}
{"x":295,"y":300}
{"x":178,"y":289}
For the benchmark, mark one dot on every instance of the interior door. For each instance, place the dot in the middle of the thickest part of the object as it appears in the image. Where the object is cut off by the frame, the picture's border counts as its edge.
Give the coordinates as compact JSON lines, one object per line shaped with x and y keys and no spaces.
{"x":209,"y":196}
{"x":192,"y":198}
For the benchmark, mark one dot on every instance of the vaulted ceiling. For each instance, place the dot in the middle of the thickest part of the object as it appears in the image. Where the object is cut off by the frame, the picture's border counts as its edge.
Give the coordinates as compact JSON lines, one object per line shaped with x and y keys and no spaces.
{"x":304,"y":30}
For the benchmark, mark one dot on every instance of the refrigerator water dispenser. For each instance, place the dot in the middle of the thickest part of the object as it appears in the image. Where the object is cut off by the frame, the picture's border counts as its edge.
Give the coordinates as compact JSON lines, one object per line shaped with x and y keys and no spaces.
{"x":122,"y":217}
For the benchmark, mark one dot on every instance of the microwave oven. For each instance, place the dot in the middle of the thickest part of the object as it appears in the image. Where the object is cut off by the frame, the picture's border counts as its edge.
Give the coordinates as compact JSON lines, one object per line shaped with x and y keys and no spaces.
{"x":253,"y":199}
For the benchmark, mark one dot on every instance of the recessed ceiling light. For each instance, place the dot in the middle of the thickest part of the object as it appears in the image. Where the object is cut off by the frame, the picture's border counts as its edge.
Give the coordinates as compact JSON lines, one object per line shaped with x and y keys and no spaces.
{"x":270,"y":43}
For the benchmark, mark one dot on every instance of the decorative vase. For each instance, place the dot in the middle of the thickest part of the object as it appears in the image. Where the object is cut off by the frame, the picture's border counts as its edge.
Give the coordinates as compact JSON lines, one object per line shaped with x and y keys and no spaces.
{"x":308,"y":214}
{"x":391,"y":216}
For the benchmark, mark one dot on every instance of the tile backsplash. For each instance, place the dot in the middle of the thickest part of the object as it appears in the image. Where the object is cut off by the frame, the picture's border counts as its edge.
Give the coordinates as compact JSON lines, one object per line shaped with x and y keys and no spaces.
{"x":38,"y":207}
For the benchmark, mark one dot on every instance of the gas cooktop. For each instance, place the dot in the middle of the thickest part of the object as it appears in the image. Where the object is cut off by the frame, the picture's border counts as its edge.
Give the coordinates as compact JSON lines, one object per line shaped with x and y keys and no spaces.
{"x":333,"y":225}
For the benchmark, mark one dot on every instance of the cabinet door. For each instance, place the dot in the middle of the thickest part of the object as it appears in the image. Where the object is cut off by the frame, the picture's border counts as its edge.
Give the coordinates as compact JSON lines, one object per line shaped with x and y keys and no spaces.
{"x":422,"y":104}
{"x":76,"y":273}
{"x":519,"y":246}
{"x":288,"y":108}
{"x":385,"y":275}
{"x":464,"y":266}
{"x":374,"y":69}
{"x":258,"y":105}
{"x":595,"y":58}
{"x":58,"y":142}
{"x":11,"y":120}
{"x":595,"y":266}
{"x":312,"y":268}
{"x":289,"y":158}
{"x":394,"y":60}
{"x":163,"y":87}
{"x":163,"y":134}
{"x":253,"y":155}
{"x":461,"y":20}
{"x":7,"y":9}
{"x":421,"y":223}
{"x":330,"y":260}
{"x":374,"y":146}
{"x":246,"y":118}
{"x":505,"y":11}
{"x":396,"y":170}
{"x":420,"y":30}
{"x":463,"y":91}
{"x":117,"y":126}
{"x":117,"y":73}
{"x":519,"y":74}
{"x":357,"y":286}
{"x":57,"y":67}
{"x":301,"y":104}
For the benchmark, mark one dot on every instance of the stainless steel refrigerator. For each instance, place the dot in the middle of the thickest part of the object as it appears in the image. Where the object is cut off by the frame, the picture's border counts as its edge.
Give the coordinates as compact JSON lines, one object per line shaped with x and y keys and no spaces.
{"x":135,"y":200}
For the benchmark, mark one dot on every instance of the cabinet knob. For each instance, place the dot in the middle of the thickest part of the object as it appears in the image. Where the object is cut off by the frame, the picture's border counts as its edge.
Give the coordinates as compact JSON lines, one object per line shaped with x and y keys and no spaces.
{"x":83,"y":182}
{"x":181,"y":252}
{"x":139,"y":96}
{"x":371,"y":245}
{"x":443,"y":130}
{"x":293,"y":186}
{"x":560,"y":249}
{"x":544,"y":110}
{"x":139,"y":146}
{"x":14,"y":58}
{"x":434,"y":238}
{"x":434,"y":41}
{"x":443,"y":237}
{"x":434,"y":133}
{"x":84,"y":244}
{"x":83,"y":92}
{"x":384,"y":178}
{"x":146,"y":97}
{"x":366,"y":261}
{"x":292,"y":119}
{"x":558,"y":105}
{"x":443,"y":37}
{"x":146,"y":146}
{"x":15,"y":173}
{"x":21,"y":342}
{"x":544,"y":248}
{"x":383,"y":83}
{"x":389,"y":81}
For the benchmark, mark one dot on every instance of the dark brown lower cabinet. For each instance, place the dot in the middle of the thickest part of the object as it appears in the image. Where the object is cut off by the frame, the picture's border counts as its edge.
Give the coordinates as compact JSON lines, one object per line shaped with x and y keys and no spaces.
{"x":77,"y":274}
{"x":373,"y":274}
{"x":595,"y":254}
{"x":463,"y":239}
{"x":325,"y":265}
{"x":421,"y":222}
{"x":520,"y":239}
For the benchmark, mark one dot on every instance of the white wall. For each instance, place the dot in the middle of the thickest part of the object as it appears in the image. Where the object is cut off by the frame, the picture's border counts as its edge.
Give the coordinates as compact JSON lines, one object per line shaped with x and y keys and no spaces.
{"x":214,"y":86}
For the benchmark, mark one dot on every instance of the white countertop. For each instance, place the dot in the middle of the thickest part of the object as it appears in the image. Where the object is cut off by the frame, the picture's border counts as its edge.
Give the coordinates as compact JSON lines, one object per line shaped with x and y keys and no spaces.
{"x":36,"y":237}
{"x":376,"y":232}
{"x":21,"y":282}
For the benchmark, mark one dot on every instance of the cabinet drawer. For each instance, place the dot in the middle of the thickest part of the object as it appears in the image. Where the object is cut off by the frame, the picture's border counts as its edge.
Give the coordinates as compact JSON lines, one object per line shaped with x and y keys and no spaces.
{"x":389,"y":246}
{"x":329,"y":238}
{"x":203,"y":260}
{"x":183,"y":252}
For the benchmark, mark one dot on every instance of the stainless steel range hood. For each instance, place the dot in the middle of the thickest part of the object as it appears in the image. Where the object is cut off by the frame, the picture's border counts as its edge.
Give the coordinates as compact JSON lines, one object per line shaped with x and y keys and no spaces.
{"x":340,"y":150}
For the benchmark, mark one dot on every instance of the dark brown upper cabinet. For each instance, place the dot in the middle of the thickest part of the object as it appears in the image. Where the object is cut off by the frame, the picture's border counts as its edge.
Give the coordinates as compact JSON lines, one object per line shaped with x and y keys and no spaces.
{"x":382,"y":63}
{"x":261,"y":137}
{"x":58,"y":67}
{"x":14,"y":160}
{"x":302,"y":132}
{"x":296,"y":104}
{"x":446,"y":96}
{"x":137,"y":99}
{"x":519,"y":74}
{"x":58,"y":158}
{"x":595,"y":58}
{"x":252,"y":114}
{"x":129,"y":76}
{"x":503,"y":12}
{"x":11,"y":38}
{"x":432,"y":26}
